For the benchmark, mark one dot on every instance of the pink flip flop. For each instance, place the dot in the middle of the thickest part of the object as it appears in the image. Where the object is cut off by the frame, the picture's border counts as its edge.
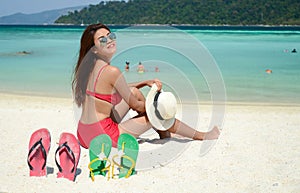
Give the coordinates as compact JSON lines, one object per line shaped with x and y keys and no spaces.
{"x":39,"y":146}
{"x":69,"y":153}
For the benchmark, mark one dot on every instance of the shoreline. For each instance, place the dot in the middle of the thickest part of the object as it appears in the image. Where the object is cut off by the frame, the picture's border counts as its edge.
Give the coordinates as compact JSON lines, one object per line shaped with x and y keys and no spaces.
{"x":206,"y":103}
{"x":179,"y":26}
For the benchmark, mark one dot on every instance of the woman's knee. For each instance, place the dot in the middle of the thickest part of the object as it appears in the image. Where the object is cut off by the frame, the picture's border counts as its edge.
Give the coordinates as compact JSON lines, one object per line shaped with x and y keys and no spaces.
{"x":174,"y":127}
{"x":134,"y":90}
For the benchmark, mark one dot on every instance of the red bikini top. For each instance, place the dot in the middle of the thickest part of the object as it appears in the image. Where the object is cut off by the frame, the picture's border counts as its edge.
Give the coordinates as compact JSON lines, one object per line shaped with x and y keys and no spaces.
{"x":114,"y":98}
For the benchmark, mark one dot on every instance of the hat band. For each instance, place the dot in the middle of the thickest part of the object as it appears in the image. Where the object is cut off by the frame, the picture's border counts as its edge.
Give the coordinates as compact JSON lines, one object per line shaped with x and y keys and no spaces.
{"x":158,"y":115}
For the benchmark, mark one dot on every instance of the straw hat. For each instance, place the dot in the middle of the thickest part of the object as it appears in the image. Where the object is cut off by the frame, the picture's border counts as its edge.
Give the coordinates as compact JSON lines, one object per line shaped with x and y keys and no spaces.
{"x":161,"y":108}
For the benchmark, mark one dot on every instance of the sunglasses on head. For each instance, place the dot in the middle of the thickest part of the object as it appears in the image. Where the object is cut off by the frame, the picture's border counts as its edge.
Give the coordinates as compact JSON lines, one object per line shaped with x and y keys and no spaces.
{"x":103,"y":40}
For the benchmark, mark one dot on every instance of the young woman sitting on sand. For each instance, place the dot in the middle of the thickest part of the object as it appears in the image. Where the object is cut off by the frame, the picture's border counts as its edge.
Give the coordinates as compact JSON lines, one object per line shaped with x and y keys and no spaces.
{"x":105,"y":96}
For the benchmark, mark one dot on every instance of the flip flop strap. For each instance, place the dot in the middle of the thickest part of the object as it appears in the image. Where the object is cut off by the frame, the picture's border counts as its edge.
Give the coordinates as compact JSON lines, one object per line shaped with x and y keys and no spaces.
{"x":107,"y":168}
{"x":114,"y":162}
{"x":91,"y":169}
{"x":125,"y":157}
{"x":65,"y":145}
{"x":39,"y":142}
{"x":131,"y":167}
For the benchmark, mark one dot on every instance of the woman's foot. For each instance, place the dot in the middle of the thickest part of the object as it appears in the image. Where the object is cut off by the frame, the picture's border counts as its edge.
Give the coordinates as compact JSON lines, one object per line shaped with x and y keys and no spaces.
{"x":163,"y":134}
{"x":213,"y":134}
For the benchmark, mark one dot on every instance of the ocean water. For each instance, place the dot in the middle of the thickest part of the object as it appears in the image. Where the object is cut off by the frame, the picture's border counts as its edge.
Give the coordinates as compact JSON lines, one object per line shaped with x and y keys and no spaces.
{"x":196,"y":64}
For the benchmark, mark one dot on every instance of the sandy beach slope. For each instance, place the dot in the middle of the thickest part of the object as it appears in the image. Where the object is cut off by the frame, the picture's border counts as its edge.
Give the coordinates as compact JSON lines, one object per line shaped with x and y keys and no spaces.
{"x":258,"y":151}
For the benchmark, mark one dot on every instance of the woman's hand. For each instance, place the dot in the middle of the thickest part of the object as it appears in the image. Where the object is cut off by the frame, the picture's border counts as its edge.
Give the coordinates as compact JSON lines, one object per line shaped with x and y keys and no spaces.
{"x":157,"y":82}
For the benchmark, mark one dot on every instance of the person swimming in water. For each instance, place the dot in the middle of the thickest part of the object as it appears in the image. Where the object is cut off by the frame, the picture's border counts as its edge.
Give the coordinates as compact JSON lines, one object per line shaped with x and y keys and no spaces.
{"x":140,"y":68}
{"x":269,"y":71}
{"x":127,"y":66}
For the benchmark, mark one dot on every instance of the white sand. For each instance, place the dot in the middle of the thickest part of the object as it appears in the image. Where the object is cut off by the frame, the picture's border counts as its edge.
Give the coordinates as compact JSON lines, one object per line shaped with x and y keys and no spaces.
{"x":258,"y":151}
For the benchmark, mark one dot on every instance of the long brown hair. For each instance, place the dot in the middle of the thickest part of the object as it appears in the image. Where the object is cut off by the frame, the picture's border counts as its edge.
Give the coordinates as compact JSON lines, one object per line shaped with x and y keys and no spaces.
{"x":86,"y":62}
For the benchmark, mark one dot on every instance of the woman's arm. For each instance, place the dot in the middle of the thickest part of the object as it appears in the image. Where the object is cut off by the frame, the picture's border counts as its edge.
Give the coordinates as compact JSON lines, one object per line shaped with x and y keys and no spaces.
{"x":138,"y":84}
{"x":146,"y":83}
{"x":118,"y":81}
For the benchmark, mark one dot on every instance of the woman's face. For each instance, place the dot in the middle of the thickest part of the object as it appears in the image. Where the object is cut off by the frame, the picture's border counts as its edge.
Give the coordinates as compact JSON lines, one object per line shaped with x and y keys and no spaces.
{"x":104,"y":49}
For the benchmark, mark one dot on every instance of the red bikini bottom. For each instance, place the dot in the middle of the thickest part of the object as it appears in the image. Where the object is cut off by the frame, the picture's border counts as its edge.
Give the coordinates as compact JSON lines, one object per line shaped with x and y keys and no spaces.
{"x":86,"y":132}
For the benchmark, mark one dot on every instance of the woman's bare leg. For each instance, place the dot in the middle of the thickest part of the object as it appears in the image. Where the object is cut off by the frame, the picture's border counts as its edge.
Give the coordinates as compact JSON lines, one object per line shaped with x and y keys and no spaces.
{"x":135,"y":126}
{"x":139,"y":125}
{"x":184,"y":130}
{"x":120,"y":110}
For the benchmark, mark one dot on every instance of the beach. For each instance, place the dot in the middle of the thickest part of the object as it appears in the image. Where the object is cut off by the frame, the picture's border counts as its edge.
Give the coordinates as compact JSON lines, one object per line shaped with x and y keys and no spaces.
{"x":257,"y":151}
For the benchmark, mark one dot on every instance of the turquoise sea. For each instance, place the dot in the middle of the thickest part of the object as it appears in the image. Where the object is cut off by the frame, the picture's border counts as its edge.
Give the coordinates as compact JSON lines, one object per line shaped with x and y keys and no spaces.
{"x":235,"y":58}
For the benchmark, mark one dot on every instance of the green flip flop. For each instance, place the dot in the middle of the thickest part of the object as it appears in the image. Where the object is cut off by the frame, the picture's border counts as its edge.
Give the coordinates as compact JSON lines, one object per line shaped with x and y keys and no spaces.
{"x":128,"y":149}
{"x":99,"y":151}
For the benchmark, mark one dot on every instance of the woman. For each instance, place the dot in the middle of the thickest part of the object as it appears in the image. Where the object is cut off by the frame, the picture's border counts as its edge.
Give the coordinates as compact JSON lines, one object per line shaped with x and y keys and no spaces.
{"x":105,"y":97}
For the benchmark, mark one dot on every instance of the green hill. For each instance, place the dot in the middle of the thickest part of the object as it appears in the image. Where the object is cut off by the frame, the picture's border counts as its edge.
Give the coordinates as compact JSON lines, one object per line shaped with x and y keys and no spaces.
{"x":194,"y":12}
{"x":45,"y":17}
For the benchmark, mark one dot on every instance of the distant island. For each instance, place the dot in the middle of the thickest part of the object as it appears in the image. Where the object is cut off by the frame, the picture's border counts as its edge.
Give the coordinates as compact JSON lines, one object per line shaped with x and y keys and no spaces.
{"x":188,"y":12}
{"x":44,"y":17}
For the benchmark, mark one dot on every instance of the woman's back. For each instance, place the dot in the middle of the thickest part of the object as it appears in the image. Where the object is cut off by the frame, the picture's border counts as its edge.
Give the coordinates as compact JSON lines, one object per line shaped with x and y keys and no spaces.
{"x":101,"y":95}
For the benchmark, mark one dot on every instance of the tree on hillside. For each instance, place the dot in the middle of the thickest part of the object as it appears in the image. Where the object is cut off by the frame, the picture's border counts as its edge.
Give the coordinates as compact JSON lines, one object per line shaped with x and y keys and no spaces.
{"x":196,"y":12}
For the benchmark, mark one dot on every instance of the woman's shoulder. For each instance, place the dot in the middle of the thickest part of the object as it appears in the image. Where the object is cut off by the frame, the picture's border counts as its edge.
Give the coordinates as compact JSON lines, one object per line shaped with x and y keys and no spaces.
{"x":112,"y":71}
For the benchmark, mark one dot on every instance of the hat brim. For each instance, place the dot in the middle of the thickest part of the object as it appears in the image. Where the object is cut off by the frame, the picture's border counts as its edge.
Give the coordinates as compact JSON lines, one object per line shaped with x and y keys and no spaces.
{"x":158,"y":124}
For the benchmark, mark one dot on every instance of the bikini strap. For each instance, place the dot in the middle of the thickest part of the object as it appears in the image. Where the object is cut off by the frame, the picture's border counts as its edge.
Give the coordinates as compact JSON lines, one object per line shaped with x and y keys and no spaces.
{"x":101,"y":69}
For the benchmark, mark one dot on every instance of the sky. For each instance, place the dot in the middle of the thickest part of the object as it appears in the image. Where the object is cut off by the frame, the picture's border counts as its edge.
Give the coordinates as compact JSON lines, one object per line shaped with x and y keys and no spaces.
{"x":8,"y":7}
